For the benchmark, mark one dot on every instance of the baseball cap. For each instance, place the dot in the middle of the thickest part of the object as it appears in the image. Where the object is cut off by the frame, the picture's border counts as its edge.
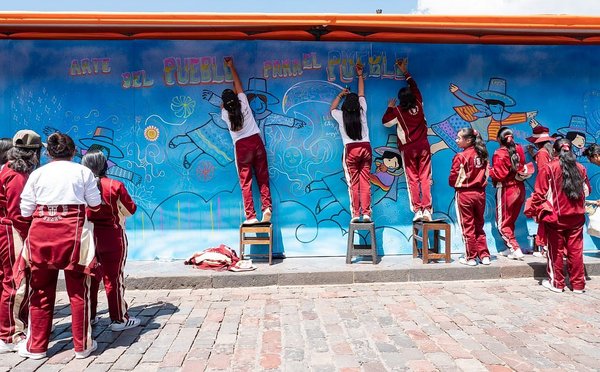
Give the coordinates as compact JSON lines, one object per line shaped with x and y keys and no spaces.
{"x":27,"y":139}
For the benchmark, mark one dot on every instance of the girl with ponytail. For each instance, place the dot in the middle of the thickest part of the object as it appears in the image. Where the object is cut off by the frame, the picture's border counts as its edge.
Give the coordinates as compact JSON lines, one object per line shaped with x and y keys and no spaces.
{"x":352,"y":121}
{"x":558,"y":202}
{"x":468,"y":176}
{"x":250,"y":153}
{"x":507,"y":162}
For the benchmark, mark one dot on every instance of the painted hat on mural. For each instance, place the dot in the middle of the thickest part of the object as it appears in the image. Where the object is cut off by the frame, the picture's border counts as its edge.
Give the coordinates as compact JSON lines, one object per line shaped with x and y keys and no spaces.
{"x":104,"y":137}
{"x":391,"y":145}
{"x":540,"y":134}
{"x":578,"y":124}
{"x":258,"y":86}
{"x":497,"y":91}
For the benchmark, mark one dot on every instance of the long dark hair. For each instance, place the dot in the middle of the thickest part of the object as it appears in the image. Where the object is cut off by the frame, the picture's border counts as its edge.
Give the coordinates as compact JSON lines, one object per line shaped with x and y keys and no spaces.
{"x":351,"y":113}
{"x":572,"y":184}
{"x":406,"y":98}
{"x":60,"y":146}
{"x":476,"y":141}
{"x":96,"y":161}
{"x":506,"y":139}
{"x":23,"y":160}
{"x":232,"y":104}
{"x":592,"y":151}
{"x":5,"y":145}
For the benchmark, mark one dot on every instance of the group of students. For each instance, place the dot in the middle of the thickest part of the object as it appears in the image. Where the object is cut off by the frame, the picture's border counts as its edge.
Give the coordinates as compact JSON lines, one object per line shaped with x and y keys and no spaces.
{"x":59,"y":216}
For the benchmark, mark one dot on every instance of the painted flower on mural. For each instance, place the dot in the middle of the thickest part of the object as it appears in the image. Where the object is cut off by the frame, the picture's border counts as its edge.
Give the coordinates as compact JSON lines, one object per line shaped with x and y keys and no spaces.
{"x":205,"y":171}
{"x":183,"y":106}
{"x":151,"y":133}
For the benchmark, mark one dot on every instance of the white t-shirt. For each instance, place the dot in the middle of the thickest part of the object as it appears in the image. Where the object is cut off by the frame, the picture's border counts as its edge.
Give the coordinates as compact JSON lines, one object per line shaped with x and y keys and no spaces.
{"x":59,"y":182}
{"x":338,"y":115}
{"x":249,"y":127}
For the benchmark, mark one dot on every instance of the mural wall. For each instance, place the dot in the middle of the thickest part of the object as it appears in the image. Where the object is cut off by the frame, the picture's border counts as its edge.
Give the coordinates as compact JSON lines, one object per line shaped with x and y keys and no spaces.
{"x":153,"y":107}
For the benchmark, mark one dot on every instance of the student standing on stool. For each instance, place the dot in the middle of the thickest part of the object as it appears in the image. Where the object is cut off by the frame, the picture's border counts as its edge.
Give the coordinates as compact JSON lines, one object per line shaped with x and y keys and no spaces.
{"x":111,"y":242}
{"x":250,"y":153}
{"x":507,"y":162}
{"x":23,"y":158}
{"x":409,"y":118}
{"x":352,"y":122}
{"x":468,"y":176}
{"x":563,"y":214}
{"x":56,"y":196}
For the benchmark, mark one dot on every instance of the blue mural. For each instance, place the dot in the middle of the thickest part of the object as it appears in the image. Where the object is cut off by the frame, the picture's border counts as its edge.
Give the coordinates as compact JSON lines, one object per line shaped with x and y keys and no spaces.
{"x":153,"y":107}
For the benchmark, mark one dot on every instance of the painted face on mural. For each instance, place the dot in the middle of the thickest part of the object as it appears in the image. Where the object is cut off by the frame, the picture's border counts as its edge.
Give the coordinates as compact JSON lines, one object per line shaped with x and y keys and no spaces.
{"x":391,"y":162}
{"x":578,"y":141}
{"x":258,"y":104}
{"x":496,"y":107}
{"x":292,"y":157}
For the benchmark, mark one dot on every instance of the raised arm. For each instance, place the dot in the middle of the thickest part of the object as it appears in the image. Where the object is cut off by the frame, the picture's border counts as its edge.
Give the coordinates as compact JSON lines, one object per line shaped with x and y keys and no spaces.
{"x":336,"y":100}
{"x":361,"y":79}
{"x":237,"y":84}
{"x":403,"y":66}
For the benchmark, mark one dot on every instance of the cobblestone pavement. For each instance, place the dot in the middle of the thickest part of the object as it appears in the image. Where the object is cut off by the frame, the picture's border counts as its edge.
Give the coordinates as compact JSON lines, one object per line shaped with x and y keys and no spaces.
{"x":499,"y":325}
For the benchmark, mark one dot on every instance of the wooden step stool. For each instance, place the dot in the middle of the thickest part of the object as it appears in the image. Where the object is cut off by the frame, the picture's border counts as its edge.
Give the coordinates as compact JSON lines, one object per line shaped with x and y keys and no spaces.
{"x":425,"y":228}
{"x":361,"y":249}
{"x":254,"y":230}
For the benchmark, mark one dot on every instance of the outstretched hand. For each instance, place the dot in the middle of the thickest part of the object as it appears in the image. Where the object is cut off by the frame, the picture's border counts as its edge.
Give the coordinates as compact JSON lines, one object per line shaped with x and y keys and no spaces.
{"x":392,"y":102}
{"x":228,"y":61}
{"x":402,"y":64}
{"x":359,"y":68}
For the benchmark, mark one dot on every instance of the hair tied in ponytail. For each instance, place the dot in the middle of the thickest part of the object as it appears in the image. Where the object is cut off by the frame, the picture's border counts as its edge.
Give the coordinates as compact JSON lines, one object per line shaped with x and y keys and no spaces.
{"x":509,"y":138}
{"x":475,"y":132}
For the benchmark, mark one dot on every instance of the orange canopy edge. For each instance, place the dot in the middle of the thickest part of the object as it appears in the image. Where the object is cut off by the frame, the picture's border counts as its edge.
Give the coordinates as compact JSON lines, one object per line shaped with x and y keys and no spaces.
{"x":539,"y":29}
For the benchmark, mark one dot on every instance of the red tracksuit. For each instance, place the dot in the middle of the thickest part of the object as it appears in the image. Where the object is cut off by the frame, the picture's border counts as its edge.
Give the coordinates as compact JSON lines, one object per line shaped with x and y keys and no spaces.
{"x":111,"y":246}
{"x":14,"y":304}
{"x":510,"y":194}
{"x":542,"y":158}
{"x":411,"y":128}
{"x":250,"y":153}
{"x":357,"y":168}
{"x":468,"y":176}
{"x":563,"y":219}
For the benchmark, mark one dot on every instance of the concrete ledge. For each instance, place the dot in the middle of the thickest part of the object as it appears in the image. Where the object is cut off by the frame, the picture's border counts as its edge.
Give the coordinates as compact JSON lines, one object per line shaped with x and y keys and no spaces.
{"x":333,"y":270}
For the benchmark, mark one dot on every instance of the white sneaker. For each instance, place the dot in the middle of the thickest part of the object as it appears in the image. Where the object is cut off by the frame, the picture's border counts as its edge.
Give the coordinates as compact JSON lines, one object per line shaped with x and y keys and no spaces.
{"x":121,"y":326}
{"x":486,"y":261}
{"x":23,"y":352}
{"x":548,"y":285}
{"x":418,"y":216}
{"x":266,"y":217}
{"x":7,"y":348}
{"x":426,"y":215}
{"x":250,"y":221}
{"x":538,"y":254}
{"x":517,"y":254}
{"x":355,"y":219}
{"x":579,"y":291}
{"x":86,"y":353}
{"x":366,"y":218}
{"x":470,"y":262}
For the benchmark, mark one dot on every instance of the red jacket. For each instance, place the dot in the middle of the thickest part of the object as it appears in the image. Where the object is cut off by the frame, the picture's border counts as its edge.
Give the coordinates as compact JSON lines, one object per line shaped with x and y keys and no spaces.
{"x":542,"y":158}
{"x":411,"y":124}
{"x":468,"y":170}
{"x":550,"y":204}
{"x":501,"y":170}
{"x":116,"y":205}
{"x":11,"y":186}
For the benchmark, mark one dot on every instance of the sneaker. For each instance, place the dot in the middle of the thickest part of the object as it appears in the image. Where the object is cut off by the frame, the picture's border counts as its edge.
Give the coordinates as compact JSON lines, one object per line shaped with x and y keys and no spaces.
{"x":517,"y":254}
{"x":486,"y":261}
{"x":538,"y":254}
{"x":23,"y":352}
{"x":427,"y":215}
{"x":548,"y":285}
{"x":418,"y":216}
{"x":579,"y":291}
{"x":7,"y":348}
{"x":121,"y":326}
{"x":470,"y":262}
{"x":94,"y":321}
{"x":266,"y":217}
{"x":366,"y":218}
{"x":250,"y":221}
{"x":355,"y":219}
{"x":86,"y":353}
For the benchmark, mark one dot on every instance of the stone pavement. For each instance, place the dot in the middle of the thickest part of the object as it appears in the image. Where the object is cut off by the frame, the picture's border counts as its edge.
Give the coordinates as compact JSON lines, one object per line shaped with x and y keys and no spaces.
{"x":491,"y":325}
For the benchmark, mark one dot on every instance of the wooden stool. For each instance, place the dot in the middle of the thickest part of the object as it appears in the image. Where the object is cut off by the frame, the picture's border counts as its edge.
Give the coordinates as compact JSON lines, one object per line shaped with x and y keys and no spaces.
{"x":255,"y":229}
{"x":361,"y":249}
{"x":425,"y":228}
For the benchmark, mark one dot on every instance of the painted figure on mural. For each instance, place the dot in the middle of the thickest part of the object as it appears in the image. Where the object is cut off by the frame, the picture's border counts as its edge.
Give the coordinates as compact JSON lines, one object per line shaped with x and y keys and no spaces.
{"x":210,"y":136}
{"x":578,"y":134}
{"x":486,"y":112}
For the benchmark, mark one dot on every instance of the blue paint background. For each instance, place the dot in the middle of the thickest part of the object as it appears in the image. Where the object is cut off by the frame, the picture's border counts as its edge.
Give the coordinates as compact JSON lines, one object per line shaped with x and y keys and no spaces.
{"x":183,"y":210}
